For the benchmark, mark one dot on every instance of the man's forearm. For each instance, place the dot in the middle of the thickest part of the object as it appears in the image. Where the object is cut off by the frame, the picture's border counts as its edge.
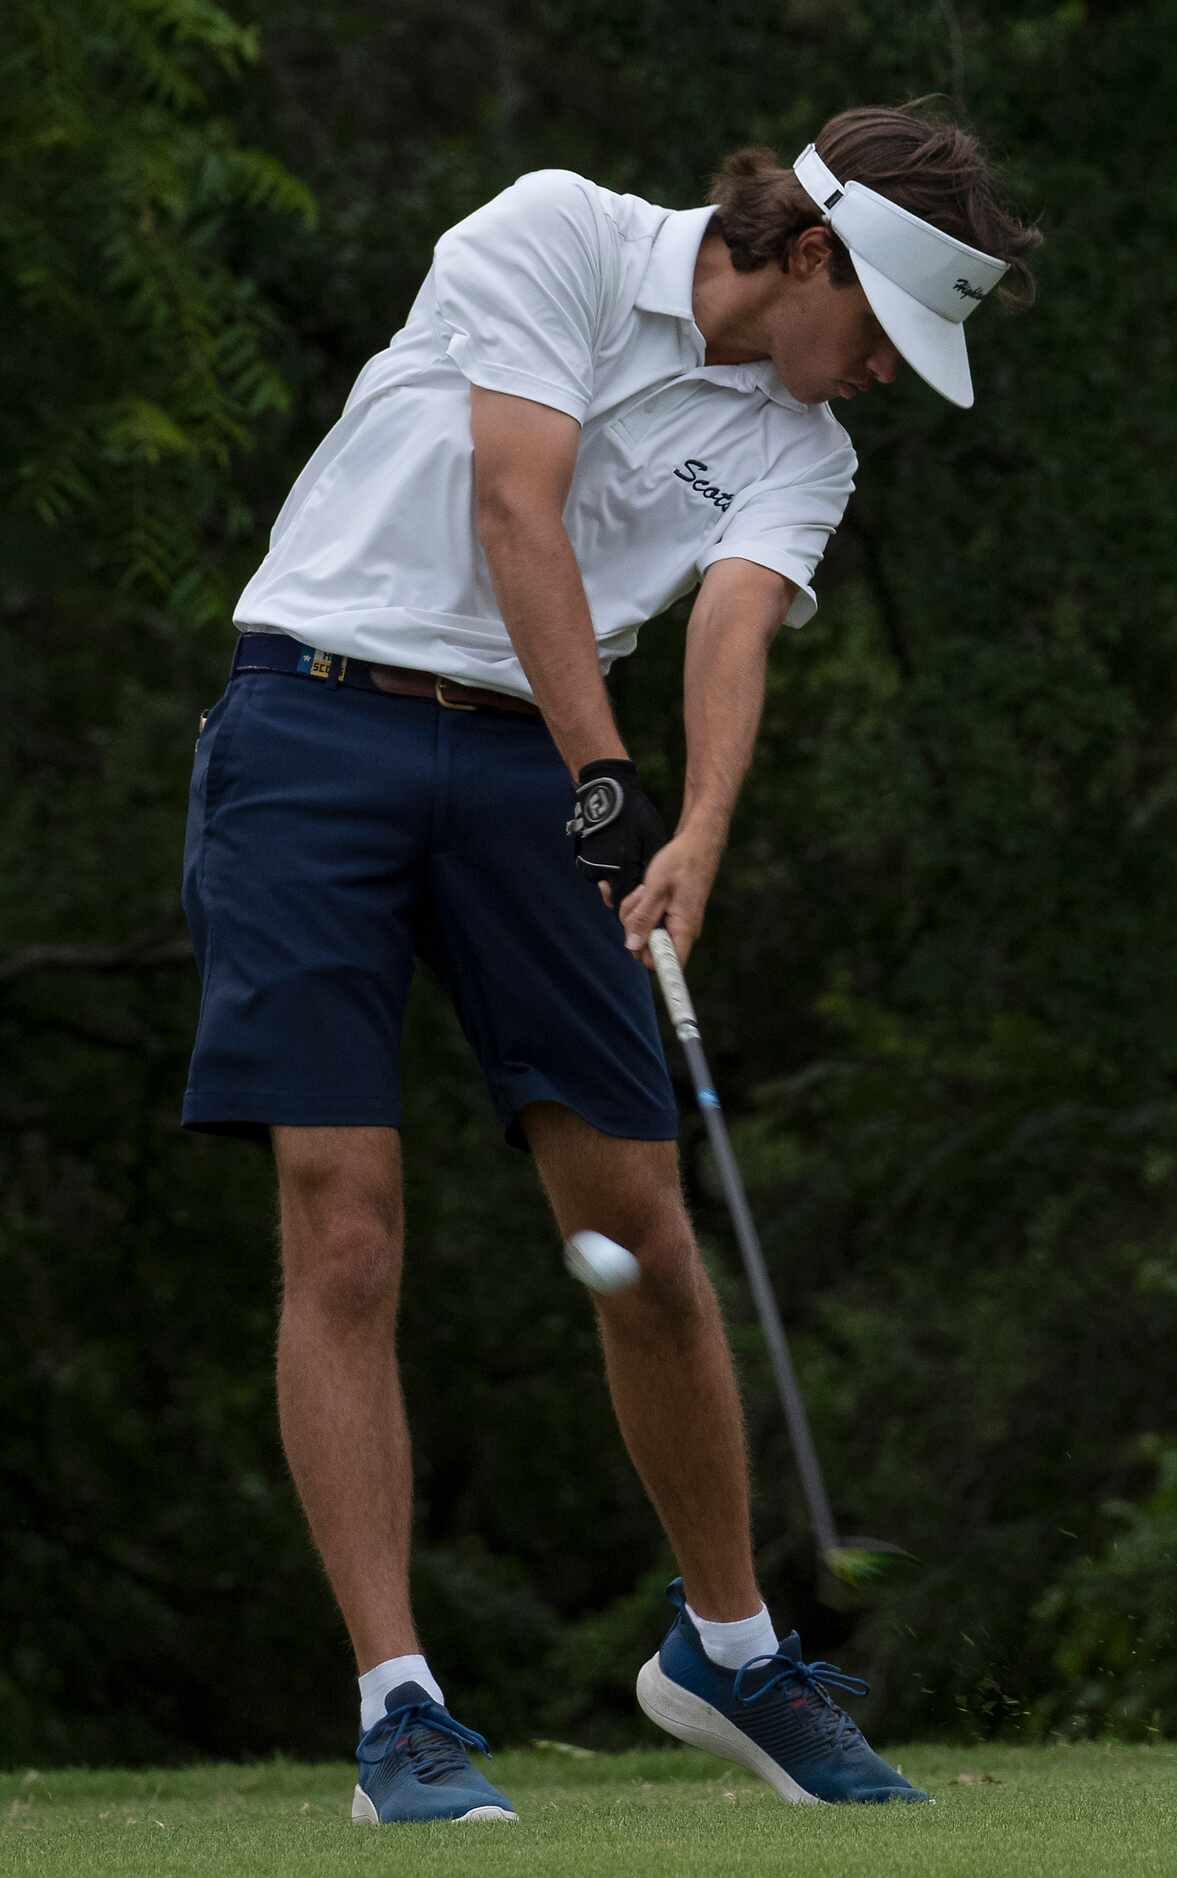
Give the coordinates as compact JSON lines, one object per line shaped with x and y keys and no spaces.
{"x":724,"y":680}
{"x":541,"y":595}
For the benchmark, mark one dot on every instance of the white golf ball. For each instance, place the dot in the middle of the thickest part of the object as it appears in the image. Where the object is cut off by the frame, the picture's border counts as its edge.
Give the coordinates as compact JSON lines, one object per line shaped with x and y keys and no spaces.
{"x":601,"y":1263}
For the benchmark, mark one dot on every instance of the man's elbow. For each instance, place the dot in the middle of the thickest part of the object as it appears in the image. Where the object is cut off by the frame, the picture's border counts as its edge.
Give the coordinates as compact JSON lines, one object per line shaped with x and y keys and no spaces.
{"x":743,"y":595}
{"x":505,"y":515}
{"x":500,"y":502}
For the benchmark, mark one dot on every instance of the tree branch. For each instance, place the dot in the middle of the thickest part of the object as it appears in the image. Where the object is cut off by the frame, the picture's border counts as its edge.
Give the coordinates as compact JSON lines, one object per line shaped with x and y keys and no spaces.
{"x":95,"y":958}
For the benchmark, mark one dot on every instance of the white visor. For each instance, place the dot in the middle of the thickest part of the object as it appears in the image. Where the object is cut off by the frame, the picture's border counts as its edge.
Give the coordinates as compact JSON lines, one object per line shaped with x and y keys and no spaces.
{"x":921,"y":283}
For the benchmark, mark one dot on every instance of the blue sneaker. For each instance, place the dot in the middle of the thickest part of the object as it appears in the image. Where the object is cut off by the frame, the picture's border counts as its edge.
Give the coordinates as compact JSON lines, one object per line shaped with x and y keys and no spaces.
{"x":413,"y":1765}
{"x":773,"y":1717}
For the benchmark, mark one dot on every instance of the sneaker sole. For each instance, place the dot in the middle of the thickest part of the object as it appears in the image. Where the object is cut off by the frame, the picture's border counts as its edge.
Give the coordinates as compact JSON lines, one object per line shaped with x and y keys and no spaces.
{"x":694,"y":1721}
{"x":363,"y":1813}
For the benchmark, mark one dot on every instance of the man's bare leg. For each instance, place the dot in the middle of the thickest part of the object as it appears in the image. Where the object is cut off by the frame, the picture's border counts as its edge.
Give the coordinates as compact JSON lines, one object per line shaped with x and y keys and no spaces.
{"x":340,"y":1405}
{"x":667,"y":1360}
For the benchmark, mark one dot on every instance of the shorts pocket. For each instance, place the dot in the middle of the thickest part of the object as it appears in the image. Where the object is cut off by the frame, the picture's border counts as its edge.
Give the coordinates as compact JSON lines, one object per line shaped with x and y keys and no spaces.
{"x":214,"y":732}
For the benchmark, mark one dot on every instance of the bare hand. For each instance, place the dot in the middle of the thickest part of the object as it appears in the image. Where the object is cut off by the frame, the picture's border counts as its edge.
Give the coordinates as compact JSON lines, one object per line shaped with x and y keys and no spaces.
{"x":674,"y":892}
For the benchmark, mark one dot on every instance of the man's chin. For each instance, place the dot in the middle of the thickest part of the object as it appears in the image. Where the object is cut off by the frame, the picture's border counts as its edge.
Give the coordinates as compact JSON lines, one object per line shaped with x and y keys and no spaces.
{"x":809,"y":394}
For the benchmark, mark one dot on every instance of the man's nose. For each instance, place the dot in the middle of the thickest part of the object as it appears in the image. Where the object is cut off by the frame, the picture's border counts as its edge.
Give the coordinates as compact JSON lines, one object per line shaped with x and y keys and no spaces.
{"x":883,"y":363}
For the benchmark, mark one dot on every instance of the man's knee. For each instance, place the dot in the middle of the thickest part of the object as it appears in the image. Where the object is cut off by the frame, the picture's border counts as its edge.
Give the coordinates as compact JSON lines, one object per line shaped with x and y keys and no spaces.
{"x":341,"y":1219}
{"x":673,"y":1283}
{"x":632,"y":1192}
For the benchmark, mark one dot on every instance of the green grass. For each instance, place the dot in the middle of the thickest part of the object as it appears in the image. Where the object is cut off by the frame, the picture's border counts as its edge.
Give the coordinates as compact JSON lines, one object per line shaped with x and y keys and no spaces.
{"x":1069,"y":1812}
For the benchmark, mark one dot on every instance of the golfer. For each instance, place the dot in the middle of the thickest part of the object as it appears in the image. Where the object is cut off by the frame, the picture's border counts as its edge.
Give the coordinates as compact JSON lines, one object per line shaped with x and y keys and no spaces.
{"x":595,"y":406}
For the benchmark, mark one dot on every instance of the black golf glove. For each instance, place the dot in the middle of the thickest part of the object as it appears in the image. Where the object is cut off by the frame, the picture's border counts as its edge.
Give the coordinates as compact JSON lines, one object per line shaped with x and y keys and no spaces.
{"x":616,"y":829}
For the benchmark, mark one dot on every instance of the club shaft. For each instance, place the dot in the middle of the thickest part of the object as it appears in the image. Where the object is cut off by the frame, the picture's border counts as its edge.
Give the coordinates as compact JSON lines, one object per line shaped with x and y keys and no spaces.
{"x":682,"y":1015}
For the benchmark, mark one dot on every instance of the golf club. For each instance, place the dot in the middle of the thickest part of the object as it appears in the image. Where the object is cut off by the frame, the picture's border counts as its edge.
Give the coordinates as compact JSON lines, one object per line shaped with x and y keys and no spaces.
{"x":849,"y":1561}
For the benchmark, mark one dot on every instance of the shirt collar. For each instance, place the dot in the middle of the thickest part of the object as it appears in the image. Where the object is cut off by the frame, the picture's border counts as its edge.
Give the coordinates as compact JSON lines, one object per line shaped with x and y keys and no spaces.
{"x":668,"y":285}
{"x":761,"y":373}
{"x":670,"y":271}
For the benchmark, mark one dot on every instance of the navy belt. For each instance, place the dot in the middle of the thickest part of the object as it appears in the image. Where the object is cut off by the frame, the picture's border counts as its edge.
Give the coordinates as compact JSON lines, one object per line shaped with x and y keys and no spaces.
{"x":278,"y":652}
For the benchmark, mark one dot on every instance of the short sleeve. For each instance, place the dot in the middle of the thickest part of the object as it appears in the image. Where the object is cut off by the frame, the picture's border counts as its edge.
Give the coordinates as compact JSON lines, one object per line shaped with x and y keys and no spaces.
{"x":519,"y":287}
{"x":786,"y":526}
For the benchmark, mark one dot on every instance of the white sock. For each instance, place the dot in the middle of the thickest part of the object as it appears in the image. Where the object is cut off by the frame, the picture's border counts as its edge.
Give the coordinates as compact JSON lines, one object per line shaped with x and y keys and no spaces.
{"x":733,"y":1645}
{"x":376,"y":1683}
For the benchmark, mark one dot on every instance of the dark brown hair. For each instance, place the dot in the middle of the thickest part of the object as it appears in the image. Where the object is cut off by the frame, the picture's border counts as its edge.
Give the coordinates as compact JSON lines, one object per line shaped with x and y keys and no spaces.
{"x":931,"y":168}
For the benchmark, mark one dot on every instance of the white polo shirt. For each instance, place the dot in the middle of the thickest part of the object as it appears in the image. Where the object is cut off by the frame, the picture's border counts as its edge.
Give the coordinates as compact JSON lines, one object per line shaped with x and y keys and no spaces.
{"x":566,"y":293}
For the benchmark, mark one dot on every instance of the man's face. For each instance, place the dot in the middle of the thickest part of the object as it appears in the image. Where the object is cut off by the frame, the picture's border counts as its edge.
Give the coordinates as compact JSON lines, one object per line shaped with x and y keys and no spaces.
{"x":825,"y":342}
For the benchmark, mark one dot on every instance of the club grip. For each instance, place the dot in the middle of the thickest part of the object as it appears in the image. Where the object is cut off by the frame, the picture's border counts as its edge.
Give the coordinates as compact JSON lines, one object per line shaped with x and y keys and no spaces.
{"x":674,"y":985}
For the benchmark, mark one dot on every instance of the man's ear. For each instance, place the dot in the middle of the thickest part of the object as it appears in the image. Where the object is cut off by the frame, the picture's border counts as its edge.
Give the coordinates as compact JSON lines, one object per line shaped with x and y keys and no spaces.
{"x":810,"y":252}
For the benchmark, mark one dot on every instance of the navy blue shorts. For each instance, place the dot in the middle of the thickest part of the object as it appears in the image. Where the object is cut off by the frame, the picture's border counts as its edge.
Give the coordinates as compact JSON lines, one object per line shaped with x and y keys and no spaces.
{"x":336,"y":835}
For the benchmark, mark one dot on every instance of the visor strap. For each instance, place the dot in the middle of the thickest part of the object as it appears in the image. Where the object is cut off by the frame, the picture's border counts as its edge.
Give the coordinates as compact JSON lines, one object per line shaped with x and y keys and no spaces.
{"x":818,"y":180}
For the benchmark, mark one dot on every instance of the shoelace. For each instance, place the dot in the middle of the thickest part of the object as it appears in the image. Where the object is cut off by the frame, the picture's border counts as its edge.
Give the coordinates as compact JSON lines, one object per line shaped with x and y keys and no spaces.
{"x":810,"y":1676}
{"x":415,"y":1728}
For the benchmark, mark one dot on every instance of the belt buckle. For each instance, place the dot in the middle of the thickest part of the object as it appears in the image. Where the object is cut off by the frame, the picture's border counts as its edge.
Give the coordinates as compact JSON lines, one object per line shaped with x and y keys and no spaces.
{"x":449,"y":703}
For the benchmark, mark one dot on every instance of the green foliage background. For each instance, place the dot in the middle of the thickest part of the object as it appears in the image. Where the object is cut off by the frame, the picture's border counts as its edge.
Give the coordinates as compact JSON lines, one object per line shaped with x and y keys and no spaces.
{"x":936,"y":982}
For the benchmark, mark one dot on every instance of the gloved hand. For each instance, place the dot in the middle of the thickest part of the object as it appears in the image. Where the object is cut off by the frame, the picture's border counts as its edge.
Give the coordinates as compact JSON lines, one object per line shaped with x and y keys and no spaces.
{"x":616,"y":828}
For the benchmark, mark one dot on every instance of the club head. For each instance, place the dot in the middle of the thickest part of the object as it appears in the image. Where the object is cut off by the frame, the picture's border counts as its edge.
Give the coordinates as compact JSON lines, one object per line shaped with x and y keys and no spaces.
{"x":849,"y":1572}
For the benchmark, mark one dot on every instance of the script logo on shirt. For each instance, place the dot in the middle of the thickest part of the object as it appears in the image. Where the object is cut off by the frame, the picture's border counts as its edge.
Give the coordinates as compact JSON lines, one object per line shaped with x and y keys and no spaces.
{"x":695,"y":473}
